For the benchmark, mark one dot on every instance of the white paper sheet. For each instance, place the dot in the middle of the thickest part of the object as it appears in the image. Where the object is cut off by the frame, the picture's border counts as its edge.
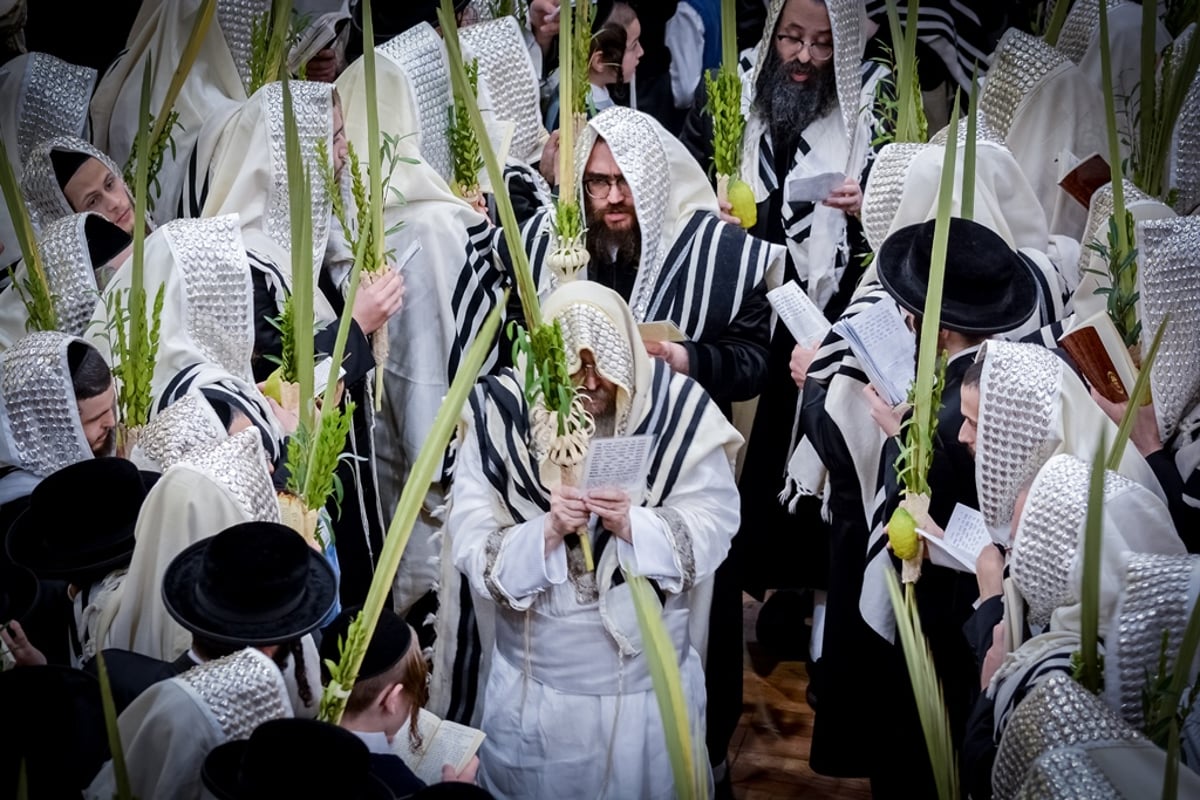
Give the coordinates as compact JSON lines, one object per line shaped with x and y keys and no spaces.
{"x":885,"y":347}
{"x":799,"y":313}
{"x":813,"y":189}
{"x":618,"y":462}
{"x":965,"y":537}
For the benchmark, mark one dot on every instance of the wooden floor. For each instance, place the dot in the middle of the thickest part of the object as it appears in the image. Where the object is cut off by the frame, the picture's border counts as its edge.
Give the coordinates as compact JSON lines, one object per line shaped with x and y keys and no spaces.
{"x":769,"y":751}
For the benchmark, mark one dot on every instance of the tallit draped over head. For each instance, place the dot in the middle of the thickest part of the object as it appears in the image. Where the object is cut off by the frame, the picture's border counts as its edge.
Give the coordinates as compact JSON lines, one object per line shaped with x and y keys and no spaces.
{"x":206,"y":337}
{"x":1031,"y":406}
{"x":1046,"y":567}
{"x":210,"y":487}
{"x":216,"y":85}
{"x":694,"y":270}
{"x":248,"y":177}
{"x":39,"y":183}
{"x":40,"y":97}
{"x":40,"y":429}
{"x":1046,"y":110}
{"x":844,"y":135}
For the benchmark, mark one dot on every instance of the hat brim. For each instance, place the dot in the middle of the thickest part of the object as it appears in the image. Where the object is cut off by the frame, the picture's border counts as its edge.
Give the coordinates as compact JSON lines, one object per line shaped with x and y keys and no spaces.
{"x":24,"y":538}
{"x":223,"y":764}
{"x":26,"y":545}
{"x":1000,"y":314}
{"x":183,"y":576}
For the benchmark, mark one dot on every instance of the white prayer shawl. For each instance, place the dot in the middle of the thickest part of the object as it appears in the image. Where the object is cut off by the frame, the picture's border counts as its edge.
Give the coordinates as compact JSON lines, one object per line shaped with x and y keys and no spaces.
{"x":169,"y":729}
{"x":1032,"y":407}
{"x":40,"y":97}
{"x":450,"y":286}
{"x":216,"y":84}
{"x":1048,"y":112}
{"x":206,"y":337}
{"x":840,"y":141}
{"x":1184,"y":158}
{"x":567,"y":671}
{"x":247,"y":176}
{"x":211,"y":488}
{"x":1046,"y":562}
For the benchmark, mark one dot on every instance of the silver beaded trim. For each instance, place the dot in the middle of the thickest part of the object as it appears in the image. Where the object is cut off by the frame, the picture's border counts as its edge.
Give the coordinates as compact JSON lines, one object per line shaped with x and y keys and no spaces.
{"x":211,"y":259}
{"x":1020,"y":63}
{"x":885,"y":189}
{"x":186,"y":424}
{"x":1067,"y":773}
{"x":45,"y":199}
{"x":1155,"y":601}
{"x":586,"y":327}
{"x":1058,"y":713}
{"x":69,"y":272}
{"x":1187,"y":141}
{"x":640,"y":154}
{"x":1051,"y":531}
{"x":681,"y":543}
{"x":39,"y":412}
{"x":1100,"y":210}
{"x":54,"y":101}
{"x":312,"y":106}
{"x":419,"y":54}
{"x":1079,"y":28}
{"x":1170,"y":286}
{"x":242,"y":690}
{"x":512,"y":82}
{"x":1018,"y":403}
{"x":239,"y":463}
{"x":236,"y":18}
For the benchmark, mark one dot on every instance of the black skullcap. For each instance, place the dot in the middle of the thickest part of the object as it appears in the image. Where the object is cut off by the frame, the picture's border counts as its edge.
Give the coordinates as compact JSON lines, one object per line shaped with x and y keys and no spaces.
{"x":104,"y":239}
{"x":389,"y":643}
{"x":66,"y":163}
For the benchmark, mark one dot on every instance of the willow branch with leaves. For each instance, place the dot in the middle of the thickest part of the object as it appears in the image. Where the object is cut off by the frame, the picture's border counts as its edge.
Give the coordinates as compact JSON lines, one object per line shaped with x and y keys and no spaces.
{"x":903,"y":113}
{"x":464,"y":147}
{"x":34,"y":289}
{"x":164,"y":123}
{"x":916,"y":452}
{"x":569,"y":255}
{"x":539,"y":344}
{"x":269,"y":38}
{"x":136,"y":348}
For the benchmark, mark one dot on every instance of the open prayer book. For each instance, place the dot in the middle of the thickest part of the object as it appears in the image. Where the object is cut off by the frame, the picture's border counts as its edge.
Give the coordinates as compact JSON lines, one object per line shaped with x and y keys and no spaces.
{"x":442,"y":742}
{"x":964,"y":539}
{"x":799,"y":313}
{"x":884,"y":346}
{"x":317,"y":36}
{"x":1097,"y":349}
{"x":618,"y":462}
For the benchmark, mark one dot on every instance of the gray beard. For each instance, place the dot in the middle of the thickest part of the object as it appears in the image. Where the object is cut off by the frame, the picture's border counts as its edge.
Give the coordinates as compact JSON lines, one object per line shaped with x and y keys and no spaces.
{"x":606,"y":424}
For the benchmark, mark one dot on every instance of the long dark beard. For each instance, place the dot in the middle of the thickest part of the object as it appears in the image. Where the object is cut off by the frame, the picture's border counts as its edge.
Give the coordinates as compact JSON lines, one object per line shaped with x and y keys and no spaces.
{"x":790,"y":107}
{"x":608,"y":246}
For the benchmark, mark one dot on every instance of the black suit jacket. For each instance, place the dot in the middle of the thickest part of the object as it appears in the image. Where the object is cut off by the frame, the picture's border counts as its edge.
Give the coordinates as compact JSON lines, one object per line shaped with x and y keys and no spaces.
{"x":130,"y":673}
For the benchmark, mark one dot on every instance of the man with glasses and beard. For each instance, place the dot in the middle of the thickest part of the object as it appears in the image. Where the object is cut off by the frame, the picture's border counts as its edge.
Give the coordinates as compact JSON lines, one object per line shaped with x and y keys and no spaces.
{"x":812,"y":94}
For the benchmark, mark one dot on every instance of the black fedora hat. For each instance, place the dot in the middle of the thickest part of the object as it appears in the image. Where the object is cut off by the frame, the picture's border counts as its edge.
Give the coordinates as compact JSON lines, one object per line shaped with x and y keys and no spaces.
{"x":80,"y":520}
{"x":255,"y":584}
{"x":989,"y":287}
{"x":265,"y":765}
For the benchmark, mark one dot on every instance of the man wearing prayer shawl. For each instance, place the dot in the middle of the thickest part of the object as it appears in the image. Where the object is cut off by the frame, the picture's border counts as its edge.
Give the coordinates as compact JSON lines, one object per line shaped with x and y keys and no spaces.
{"x":1044,"y":592}
{"x":568,"y":705}
{"x":653,"y":235}
{"x":40,"y":97}
{"x":808,"y":96}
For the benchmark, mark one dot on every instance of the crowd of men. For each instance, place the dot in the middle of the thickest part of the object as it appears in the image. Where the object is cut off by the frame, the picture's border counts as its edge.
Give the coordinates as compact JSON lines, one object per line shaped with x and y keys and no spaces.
{"x":166,"y":560}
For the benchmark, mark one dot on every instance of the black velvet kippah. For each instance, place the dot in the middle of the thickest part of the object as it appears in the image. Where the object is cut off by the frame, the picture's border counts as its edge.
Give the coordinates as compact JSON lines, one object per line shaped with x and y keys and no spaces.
{"x":66,"y":163}
{"x":389,"y":643}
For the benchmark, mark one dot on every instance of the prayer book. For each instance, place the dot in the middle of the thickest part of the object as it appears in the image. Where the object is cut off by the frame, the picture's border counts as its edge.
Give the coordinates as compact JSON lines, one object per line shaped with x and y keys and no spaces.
{"x":1085,"y":176}
{"x":618,"y":462}
{"x":319,"y":35}
{"x":442,"y":742}
{"x":965,"y":537}
{"x":813,"y":188}
{"x":662,"y":330}
{"x":1097,"y":349}
{"x":884,"y":346}
{"x":799,"y":313}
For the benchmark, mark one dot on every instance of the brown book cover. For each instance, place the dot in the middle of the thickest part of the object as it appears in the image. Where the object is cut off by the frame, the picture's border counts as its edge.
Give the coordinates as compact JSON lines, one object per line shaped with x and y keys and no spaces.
{"x":1085,"y":178}
{"x":1093,"y":360}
